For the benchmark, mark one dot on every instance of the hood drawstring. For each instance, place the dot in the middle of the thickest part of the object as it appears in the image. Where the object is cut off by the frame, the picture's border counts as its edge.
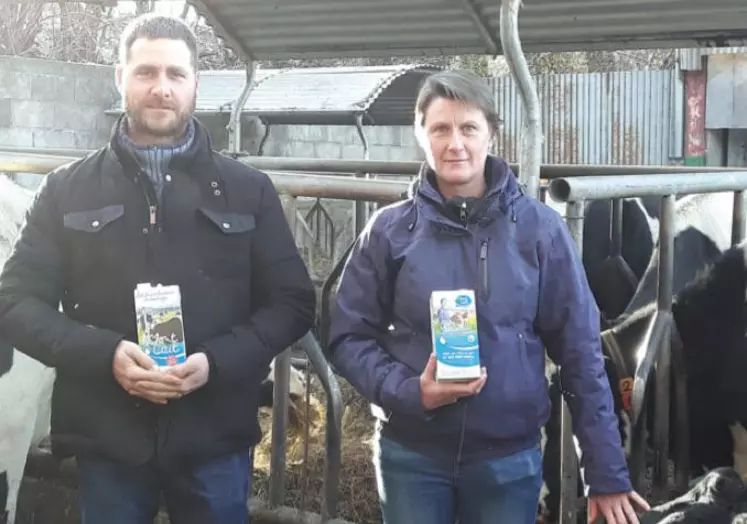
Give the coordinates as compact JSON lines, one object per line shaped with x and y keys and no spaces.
{"x":414,"y":210}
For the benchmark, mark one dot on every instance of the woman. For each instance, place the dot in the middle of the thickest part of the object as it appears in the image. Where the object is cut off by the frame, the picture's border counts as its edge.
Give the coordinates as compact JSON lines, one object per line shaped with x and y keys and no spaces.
{"x":471,"y":450}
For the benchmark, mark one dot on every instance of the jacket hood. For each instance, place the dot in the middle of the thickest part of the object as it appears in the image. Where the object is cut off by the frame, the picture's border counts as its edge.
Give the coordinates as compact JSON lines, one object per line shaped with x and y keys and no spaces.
{"x":503,"y":188}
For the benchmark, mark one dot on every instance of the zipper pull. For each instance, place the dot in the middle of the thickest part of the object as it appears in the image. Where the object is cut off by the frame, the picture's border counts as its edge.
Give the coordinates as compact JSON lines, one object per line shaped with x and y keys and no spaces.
{"x":463,"y":212}
{"x":153,"y":215}
{"x":484,"y":250}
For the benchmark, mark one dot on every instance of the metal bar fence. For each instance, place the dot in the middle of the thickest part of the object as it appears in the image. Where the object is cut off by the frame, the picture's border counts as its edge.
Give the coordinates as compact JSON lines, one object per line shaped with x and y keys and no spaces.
{"x":582,"y":184}
{"x":574,"y":190}
{"x":30,"y":157}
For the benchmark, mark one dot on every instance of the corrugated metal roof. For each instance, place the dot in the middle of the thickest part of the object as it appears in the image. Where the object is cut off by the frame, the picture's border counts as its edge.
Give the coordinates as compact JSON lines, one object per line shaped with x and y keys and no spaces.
{"x":385,"y":95}
{"x":280,"y":29}
{"x":218,"y":90}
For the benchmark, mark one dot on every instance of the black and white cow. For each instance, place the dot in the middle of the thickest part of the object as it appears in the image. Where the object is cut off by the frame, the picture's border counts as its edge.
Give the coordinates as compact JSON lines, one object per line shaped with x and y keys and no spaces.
{"x":702,"y":228}
{"x":611,"y":283}
{"x":26,"y":384}
{"x":710,"y":313}
{"x":720,"y":497}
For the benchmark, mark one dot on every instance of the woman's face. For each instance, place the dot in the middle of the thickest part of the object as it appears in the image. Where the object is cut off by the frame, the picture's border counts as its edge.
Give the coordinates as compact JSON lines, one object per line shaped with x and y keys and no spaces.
{"x":456,"y":140}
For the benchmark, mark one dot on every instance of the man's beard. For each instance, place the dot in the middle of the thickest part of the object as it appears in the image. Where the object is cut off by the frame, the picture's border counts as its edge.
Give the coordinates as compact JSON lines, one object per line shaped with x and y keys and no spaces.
{"x":172,"y":126}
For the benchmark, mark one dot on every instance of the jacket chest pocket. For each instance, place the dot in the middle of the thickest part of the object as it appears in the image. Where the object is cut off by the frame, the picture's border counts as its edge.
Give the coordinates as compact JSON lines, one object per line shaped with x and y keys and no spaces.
{"x":226,"y":243}
{"x":96,"y":239}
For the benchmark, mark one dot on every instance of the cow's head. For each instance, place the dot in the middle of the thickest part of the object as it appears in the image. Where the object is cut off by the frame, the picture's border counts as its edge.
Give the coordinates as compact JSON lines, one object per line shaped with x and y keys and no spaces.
{"x":711,"y":316}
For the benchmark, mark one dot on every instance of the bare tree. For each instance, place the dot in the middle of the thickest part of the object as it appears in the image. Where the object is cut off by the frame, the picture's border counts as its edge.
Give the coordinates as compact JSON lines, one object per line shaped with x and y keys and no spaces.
{"x":20,"y":26}
{"x":144,"y":6}
{"x":80,"y":29}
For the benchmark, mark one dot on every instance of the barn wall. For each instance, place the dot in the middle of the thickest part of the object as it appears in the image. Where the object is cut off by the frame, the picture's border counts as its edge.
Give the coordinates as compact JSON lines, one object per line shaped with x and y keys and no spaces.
{"x":630,"y":117}
{"x":727,"y":91}
{"x":54,"y":104}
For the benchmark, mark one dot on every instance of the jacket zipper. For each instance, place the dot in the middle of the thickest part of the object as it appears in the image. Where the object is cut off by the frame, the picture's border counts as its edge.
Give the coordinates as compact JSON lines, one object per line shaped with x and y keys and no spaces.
{"x":154,"y":218}
{"x":463,"y":213}
{"x":484,"y":275}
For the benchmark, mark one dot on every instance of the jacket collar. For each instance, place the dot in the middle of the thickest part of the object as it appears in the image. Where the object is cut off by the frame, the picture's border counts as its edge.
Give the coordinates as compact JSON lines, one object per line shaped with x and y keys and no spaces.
{"x":194,"y":160}
{"x":503,"y":190}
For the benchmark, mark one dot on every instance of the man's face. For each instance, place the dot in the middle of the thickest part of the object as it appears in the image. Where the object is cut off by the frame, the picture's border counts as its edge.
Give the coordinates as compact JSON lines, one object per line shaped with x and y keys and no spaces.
{"x":159,"y":87}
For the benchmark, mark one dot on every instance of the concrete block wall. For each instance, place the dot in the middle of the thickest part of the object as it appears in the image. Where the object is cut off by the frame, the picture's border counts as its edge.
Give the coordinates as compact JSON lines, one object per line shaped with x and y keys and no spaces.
{"x":392,"y":143}
{"x":54,"y":104}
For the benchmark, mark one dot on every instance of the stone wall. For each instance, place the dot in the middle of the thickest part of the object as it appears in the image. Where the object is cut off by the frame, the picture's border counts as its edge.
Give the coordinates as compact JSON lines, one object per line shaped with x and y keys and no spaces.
{"x":54,"y":104}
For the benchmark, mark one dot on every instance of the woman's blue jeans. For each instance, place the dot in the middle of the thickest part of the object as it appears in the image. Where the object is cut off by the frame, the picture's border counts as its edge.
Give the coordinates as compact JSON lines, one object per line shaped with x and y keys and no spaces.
{"x":416,"y":489}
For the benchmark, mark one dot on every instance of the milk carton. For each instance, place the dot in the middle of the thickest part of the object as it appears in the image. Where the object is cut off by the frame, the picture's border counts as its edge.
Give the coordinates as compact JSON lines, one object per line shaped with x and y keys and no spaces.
{"x":454,"y":335}
{"x":160,"y":327}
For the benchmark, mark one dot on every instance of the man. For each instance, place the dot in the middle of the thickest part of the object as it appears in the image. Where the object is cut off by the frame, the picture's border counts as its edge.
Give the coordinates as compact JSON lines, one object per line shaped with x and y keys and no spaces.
{"x":156,"y":206}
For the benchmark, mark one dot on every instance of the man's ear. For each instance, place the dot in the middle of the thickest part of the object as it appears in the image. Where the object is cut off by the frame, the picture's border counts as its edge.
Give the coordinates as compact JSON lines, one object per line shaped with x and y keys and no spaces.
{"x":118,"y":77}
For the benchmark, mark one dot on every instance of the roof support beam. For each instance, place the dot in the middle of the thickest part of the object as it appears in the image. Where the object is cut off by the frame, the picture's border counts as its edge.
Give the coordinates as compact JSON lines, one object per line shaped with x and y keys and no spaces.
{"x":234,"y":123}
{"x":204,"y":9}
{"x":487,"y":33}
{"x":531,"y":132}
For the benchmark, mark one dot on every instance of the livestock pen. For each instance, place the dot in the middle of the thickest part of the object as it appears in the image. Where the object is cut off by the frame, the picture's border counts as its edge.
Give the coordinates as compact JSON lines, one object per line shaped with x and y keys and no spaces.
{"x":591,"y":184}
{"x":388,"y":28}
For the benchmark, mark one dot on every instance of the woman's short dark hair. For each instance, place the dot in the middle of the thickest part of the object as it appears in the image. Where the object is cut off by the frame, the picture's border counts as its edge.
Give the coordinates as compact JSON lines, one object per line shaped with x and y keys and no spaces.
{"x":456,"y":85}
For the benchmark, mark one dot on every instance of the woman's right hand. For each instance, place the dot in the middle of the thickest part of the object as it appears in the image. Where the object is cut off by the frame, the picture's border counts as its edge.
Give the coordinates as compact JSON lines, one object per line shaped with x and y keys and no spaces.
{"x":435,"y":394}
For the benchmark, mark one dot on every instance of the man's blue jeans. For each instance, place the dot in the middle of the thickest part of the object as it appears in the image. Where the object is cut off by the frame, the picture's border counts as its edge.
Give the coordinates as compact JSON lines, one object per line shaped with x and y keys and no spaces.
{"x":415,"y":489}
{"x":214,"y":493}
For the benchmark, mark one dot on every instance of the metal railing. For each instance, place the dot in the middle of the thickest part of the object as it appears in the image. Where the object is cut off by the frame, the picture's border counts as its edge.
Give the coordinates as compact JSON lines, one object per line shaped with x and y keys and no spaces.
{"x":575,"y":191}
{"x":296,"y":184}
{"x":373,"y":167}
{"x":594,"y":182}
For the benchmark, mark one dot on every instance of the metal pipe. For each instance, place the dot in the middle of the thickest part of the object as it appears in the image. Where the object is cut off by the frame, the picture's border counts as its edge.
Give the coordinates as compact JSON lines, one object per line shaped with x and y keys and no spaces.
{"x":279,"y":430}
{"x":263,"y":141}
{"x":333,"y":432}
{"x":234,"y":123}
{"x":339,"y":187}
{"x":666,"y":253}
{"x":616,"y":228}
{"x":637,"y":464}
{"x":383,"y":167}
{"x":296,"y":184}
{"x":482,"y":26}
{"x":594,"y":188}
{"x":280,"y":400}
{"x":737,"y":221}
{"x":531,"y":147}
{"x":360,"y":209}
{"x":664,"y":364}
{"x":568,"y":460}
{"x":682,"y":415}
